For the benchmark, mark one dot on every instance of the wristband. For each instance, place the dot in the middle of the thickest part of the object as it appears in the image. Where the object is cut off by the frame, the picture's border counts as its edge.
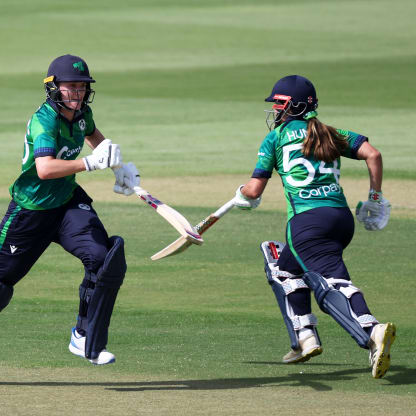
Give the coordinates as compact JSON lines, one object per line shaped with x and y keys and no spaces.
{"x":375,"y":196}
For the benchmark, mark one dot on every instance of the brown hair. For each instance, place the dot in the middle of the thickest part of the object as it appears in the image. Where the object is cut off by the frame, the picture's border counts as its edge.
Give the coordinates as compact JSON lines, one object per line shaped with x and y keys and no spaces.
{"x":323,"y":142}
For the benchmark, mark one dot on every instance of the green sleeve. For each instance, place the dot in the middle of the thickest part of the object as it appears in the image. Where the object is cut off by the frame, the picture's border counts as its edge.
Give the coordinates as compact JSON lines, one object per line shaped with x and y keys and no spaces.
{"x":266,"y":157}
{"x":42,"y":133}
{"x":354,"y":140}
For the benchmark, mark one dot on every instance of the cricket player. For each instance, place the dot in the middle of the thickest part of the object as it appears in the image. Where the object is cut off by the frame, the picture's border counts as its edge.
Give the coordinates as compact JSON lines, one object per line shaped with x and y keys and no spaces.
{"x":48,"y":205}
{"x":306,"y":153}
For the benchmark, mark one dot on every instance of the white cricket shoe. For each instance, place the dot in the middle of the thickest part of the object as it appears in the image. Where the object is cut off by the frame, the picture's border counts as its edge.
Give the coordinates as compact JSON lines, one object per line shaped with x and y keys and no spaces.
{"x":309,"y":347}
{"x":381,"y":338}
{"x":77,"y":347}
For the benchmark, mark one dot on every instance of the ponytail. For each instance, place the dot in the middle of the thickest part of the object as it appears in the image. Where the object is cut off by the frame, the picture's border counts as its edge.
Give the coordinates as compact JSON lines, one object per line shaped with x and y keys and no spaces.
{"x":323,"y":142}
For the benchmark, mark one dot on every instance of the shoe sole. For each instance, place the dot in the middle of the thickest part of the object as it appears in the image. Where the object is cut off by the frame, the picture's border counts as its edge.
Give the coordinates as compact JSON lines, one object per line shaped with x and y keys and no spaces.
{"x":382,"y":362}
{"x":305,"y":356}
{"x":113,"y":360}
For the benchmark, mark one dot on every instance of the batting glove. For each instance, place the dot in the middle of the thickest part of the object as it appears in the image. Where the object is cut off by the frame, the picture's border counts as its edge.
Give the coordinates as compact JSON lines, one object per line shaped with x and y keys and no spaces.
{"x":242,"y":202}
{"x":105,"y":155}
{"x":375,"y":212}
{"x":127,"y":177}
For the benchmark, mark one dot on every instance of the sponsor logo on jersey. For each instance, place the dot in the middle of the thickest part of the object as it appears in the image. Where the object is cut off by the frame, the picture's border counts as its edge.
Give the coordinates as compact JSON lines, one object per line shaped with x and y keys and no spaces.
{"x":323,"y":190}
{"x":13,"y":249}
{"x":82,"y":124}
{"x":84,"y":206}
{"x":65,"y":152}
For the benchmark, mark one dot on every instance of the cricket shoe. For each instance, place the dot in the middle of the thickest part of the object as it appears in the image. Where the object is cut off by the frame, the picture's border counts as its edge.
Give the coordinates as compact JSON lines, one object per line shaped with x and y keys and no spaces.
{"x":381,"y":338}
{"x":77,"y":347}
{"x":309,"y":347}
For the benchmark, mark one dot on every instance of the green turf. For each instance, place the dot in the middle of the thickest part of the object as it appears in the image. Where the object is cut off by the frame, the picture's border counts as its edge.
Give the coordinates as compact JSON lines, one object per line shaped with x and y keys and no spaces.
{"x":209,"y":312}
{"x":180,"y":85}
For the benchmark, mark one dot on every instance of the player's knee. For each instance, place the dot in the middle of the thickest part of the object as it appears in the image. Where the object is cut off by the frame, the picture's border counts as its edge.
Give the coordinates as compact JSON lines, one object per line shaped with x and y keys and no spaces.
{"x":6,"y":293}
{"x":114,"y":267}
{"x":95,"y":258}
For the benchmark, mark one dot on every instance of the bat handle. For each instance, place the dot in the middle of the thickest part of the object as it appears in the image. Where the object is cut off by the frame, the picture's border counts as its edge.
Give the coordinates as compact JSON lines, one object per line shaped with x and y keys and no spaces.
{"x":139,"y":191}
{"x":224,"y":209}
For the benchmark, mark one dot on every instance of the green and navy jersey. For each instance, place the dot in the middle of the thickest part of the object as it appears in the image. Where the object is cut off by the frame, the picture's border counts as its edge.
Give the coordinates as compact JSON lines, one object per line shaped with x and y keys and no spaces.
{"x":50,"y":134}
{"x":308,"y":183}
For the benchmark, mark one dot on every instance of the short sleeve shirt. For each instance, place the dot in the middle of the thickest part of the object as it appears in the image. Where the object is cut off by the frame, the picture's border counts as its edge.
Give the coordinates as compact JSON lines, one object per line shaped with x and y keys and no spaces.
{"x":307,"y":183}
{"x":50,"y":134}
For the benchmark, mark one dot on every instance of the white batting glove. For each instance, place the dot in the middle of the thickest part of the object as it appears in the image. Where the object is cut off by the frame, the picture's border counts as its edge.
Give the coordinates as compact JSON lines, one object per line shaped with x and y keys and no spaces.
{"x":242,"y":202}
{"x":127,"y":177}
{"x":105,"y":155}
{"x":375,"y":212}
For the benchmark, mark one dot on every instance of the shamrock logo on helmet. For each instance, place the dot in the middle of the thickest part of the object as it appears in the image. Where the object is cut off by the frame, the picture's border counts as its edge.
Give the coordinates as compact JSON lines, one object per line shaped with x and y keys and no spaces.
{"x":79,"y":65}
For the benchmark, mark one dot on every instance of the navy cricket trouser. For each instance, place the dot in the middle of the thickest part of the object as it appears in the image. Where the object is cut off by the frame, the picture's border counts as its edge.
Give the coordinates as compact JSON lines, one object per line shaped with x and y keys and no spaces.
{"x":316,"y":240}
{"x":25,"y":235}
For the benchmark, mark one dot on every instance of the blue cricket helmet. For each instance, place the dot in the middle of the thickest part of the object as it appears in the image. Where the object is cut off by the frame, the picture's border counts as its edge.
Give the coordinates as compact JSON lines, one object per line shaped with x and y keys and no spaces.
{"x":68,"y":68}
{"x":293,"y":95}
{"x":299,"y":88}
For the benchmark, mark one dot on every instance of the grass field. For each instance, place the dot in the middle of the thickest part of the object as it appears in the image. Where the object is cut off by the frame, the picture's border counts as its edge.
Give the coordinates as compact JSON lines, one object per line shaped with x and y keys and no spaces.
{"x":180,"y":85}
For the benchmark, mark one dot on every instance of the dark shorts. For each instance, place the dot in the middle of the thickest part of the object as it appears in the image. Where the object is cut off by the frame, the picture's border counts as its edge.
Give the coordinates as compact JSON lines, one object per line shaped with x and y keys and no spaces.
{"x":25,"y":235}
{"x":316,"y":240}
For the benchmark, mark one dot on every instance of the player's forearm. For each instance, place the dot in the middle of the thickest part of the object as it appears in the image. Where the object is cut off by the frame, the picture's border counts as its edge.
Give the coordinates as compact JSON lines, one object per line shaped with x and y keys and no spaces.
{"x":58,"y":168}
{"x":375,"y":171}
{"x":95,"y":139}
{"x":374,"y":163}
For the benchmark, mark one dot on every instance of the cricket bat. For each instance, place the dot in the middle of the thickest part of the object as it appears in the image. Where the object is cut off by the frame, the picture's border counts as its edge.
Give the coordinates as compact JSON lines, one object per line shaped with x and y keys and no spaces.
{"x":181,"y":244}
{"x":173,"y":217}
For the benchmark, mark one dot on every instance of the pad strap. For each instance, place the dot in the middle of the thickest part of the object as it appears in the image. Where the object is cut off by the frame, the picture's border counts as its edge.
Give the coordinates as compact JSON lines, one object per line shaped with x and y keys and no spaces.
{"x":303,"y":321}
{"x":279,"y":274}
{"x":349,"y":290}
{"x":367,"y":320}
{"x":291,"y":285}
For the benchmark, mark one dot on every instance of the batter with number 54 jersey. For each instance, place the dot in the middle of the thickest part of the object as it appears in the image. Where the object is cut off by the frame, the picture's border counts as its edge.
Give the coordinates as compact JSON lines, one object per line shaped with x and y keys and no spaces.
{"x":306,"y":153}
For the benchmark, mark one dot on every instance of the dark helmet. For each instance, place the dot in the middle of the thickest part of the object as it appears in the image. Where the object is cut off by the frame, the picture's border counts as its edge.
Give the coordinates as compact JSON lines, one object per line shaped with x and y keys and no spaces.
{"x":294,"y":95}
{"x":68,"y":68}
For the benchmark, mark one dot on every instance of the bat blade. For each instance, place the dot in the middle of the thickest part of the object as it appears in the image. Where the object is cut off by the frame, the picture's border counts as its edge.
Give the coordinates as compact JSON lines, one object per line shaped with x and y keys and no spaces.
{"x":181,"y":244}
{"x":173,"y":217}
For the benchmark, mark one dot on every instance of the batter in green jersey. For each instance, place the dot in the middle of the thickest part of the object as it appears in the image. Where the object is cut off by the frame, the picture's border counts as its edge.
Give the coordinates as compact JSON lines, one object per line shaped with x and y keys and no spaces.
{"x":308,"y":183}
{"x":49,"y":206}
{"x":306,"y":153}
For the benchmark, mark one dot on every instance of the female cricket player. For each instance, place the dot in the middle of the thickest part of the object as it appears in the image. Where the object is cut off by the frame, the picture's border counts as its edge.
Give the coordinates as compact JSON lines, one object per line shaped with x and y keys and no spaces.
{"x":49,"y":206}
{"x":306,"y":154}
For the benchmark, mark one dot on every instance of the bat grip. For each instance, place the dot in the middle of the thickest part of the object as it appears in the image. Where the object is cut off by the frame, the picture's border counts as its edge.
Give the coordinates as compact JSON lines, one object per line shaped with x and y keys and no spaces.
{"x":139,"y":191}
{"x":224,"y":209}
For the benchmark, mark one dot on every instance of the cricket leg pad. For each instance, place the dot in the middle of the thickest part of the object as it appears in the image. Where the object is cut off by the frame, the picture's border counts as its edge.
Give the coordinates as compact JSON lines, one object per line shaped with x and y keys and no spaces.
{"x":283,"y":284}
{"x":336,"y":304}
{"x":86,"y":290}
{"x":359,"y":309}
{"x":109,"y":278}
{"x":6,"y":293}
